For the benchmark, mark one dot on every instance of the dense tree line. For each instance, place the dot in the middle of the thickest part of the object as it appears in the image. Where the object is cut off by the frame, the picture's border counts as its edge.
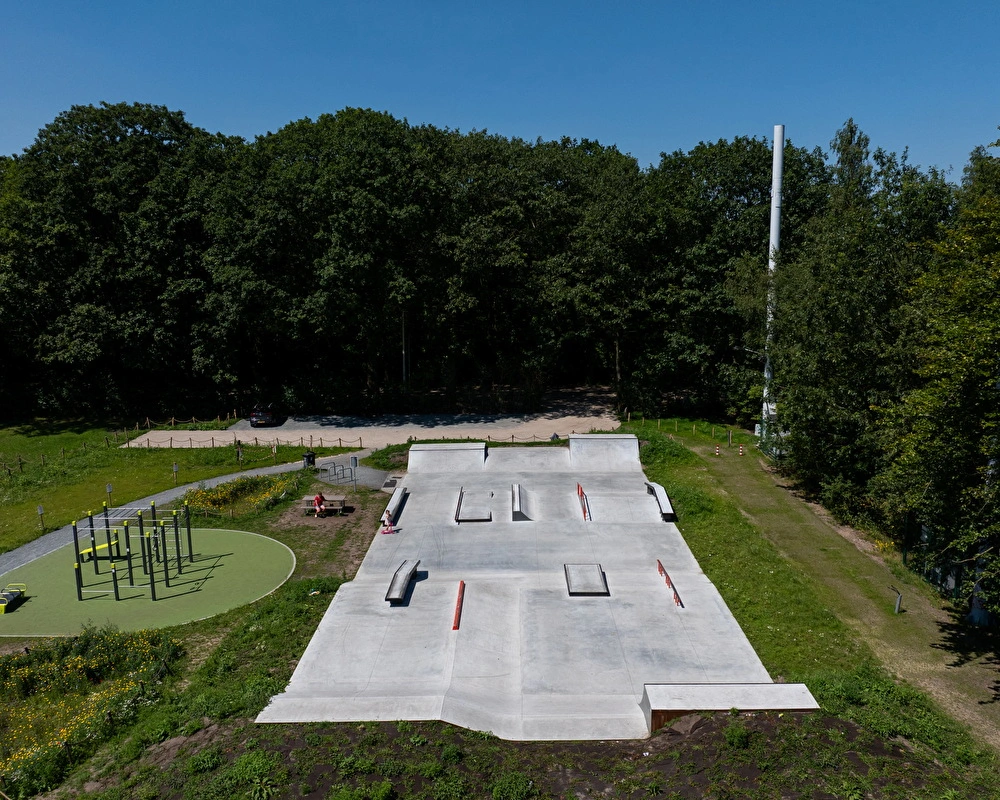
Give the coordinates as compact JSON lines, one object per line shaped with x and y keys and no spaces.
{"x":356,"y":263}
{"x":887,"y":353}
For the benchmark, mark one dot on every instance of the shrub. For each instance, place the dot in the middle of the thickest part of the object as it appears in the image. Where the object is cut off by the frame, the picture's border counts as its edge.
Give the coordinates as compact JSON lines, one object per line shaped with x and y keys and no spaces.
{"x":79,"y":662}
{"x":376,"y":791}
{"x":252,"y":774}
{"x":381,"y":791}
{"x":65,"y":697}
{"x":258,"y":492}
{"x":450,"y":787}
{"x":390,"y":767}
{"x":205,"y":761}
{"x":430,"y":769}
{"x":513,"y":786}
{"x":451,"y":754}
{"x":737,"y":736}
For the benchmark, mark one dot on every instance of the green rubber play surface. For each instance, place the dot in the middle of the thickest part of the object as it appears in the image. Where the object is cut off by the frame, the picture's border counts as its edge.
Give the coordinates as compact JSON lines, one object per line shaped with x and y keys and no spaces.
{"x":229,"y":569}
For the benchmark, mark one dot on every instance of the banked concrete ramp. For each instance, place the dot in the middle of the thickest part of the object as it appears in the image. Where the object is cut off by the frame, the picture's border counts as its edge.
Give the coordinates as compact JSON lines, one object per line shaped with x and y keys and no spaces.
{"x":460,"y":457}
{"x":569,"y":626}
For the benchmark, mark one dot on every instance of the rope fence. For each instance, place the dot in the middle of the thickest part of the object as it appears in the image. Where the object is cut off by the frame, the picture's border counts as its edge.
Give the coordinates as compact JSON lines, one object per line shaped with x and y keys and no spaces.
{"x":17,"y":463}
{"x":20,"y":462}
{"x":173,"y":422}
{"x":513,"y":438}
{"x":232,"y":439}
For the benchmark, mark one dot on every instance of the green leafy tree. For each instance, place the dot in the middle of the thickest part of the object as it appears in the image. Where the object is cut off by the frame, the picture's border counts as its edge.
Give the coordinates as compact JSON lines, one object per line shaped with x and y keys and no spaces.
{"x":102,"y":243}
{"x":317,"y":234}
{"x":604,"y":271}
{"x":20,"y":295}
{"x":943,"y":438}
{"x":840,"y":354}
{"x":708,"y":251}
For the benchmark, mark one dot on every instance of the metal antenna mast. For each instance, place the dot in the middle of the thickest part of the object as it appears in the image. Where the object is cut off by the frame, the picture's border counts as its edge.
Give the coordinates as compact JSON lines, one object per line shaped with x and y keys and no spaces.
{"x":767,"y":418}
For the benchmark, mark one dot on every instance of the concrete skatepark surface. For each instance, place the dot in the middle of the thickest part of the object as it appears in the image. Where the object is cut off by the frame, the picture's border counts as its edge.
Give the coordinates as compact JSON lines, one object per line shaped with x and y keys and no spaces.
{"x":521,"y":656}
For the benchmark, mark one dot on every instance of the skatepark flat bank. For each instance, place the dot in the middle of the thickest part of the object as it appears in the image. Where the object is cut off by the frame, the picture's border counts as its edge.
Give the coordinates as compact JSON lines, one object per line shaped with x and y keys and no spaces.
{"x":552,"y":597}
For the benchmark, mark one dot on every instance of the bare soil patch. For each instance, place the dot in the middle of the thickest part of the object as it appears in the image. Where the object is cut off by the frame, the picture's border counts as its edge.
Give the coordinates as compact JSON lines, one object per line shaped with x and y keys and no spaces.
{"x":711,"y":755}
{"x":334,"y":545}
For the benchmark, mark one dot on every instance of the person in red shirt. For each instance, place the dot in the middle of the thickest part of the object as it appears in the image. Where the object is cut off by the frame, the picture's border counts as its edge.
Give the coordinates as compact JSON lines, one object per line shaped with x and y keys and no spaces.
{"x":320,"y":503}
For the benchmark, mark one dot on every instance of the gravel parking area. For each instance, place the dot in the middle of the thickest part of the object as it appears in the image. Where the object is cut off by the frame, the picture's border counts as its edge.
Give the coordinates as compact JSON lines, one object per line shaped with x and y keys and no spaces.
{"x":575,"y":411}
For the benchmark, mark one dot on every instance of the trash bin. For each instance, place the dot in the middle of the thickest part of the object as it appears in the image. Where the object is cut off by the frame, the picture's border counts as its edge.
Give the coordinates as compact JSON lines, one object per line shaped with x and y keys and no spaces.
{"x":308,"y":459}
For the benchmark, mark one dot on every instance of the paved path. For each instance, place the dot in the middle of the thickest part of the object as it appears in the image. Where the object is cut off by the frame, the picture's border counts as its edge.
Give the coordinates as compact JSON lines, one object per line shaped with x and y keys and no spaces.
{"x":52,"y":541}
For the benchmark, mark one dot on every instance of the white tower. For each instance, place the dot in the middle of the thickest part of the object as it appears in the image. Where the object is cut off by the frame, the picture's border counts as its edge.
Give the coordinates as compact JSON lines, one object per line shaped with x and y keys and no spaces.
{"x":767,"y":417}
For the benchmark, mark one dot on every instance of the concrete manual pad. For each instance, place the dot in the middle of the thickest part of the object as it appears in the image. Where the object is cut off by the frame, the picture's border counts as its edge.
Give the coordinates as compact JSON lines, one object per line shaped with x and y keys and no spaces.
{"x":530,"y":660}
{"x":475,"y":506}
{"x":585,"y":579}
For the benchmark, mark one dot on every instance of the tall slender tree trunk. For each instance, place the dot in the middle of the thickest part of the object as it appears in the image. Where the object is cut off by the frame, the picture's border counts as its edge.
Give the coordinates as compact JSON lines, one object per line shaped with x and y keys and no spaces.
{"x":618,"y":369}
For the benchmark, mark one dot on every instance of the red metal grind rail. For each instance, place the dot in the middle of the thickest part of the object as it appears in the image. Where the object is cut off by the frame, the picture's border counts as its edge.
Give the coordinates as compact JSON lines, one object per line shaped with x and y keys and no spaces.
{"x":458,"y":606}
{"x":670,"y":584}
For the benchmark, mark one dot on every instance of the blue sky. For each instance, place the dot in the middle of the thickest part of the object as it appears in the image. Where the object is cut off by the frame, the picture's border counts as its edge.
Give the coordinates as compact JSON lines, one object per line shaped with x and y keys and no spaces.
{"x":645,"y":76}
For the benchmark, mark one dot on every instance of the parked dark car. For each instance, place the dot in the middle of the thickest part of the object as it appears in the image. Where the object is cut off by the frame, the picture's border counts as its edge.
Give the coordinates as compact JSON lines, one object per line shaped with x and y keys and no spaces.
{"x":263,"y":415}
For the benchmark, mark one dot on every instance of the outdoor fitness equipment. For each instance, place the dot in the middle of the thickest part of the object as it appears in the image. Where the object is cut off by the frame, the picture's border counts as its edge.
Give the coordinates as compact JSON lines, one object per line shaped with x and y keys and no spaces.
{"x":157,"y":559}
{"x":12,"y":596}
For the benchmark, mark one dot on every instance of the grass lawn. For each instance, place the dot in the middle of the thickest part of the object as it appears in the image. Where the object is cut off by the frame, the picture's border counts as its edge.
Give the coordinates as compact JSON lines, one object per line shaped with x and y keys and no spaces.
{"x":826,"y":567}
{"x":66,"y":468}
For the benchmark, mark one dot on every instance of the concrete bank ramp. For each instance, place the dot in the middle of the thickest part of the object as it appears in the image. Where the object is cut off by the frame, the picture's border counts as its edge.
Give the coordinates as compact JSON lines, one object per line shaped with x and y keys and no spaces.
{"x":664,"y":702}
{"x":523,"y":459}
{"x":586,"y":453}
{"x":528,"y":505}
{"x":460,"y":457}
{"x":604,"y":453}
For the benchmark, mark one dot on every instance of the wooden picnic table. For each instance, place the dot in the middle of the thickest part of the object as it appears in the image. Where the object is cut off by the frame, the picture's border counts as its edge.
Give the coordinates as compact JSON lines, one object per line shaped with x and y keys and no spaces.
{"x":335,"y":504}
